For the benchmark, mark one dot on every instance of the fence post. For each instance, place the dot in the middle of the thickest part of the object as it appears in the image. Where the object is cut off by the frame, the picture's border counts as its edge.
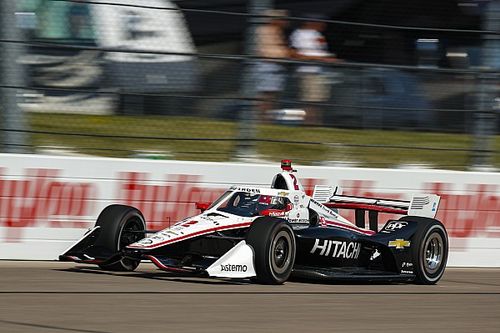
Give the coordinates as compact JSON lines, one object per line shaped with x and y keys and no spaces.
{"x":13,"y":122}
{"x":484,"y":122}
{"x":485,"y":117}
{"x":248,"y":116}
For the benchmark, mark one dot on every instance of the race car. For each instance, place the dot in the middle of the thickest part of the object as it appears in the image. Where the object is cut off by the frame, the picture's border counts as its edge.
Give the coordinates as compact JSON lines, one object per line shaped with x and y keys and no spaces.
{"x":272,"y":234}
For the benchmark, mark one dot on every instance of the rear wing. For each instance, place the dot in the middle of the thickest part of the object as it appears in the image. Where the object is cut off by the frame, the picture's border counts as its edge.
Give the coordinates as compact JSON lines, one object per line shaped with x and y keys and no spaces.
{"x":425,"y":205}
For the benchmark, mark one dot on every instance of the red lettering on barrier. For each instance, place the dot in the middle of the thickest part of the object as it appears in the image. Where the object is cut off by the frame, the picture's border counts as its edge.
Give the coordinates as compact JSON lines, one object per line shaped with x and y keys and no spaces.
{"x":473,"y":212}
{"x":476,"y":213}
{"x":163,"y":204}
{"x":362,"y":188}
{"x":309,"y":183}
{"x":40,"y":199}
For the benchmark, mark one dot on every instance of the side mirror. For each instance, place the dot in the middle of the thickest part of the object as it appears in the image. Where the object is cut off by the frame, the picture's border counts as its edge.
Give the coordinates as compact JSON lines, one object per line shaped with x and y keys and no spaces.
{"x":202,"y":206}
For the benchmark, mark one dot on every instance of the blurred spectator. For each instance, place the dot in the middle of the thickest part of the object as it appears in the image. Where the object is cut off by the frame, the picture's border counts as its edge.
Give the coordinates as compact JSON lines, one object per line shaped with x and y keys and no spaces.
{"x":79,"y":19}
{"x":310,"y":44}
{"x":271,"y":44}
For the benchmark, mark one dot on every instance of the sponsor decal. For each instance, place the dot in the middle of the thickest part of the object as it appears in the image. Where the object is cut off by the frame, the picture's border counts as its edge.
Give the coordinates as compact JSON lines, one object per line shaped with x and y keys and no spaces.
{"x":419,"y":202}
{"x":406,"y":272}
{"x":180,"y":222}
{"x":316,"y":202}
{"x":214,"y":220}
{"x":328,"y":210}
{"x":336,"y":249}
{"x":406,"y":264}
{"x":245,"y":189}
{"x":299,"y":221}
{"x":282,"y":194}
{"x":188,"y":224}
{"x":394,"y":225}
{"x":277,"y":214}
{"x":145,"y":241}
{"x":399,"y":243}
{"x":233,"y":268}
{"x":375,"y":255}
{"x":296,"y":200}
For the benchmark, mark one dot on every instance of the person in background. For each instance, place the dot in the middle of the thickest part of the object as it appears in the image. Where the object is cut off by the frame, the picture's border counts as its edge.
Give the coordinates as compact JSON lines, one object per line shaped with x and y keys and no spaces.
{"x":79,"y":20}
{"x":271,"y":43}
{"x":309,"y":43}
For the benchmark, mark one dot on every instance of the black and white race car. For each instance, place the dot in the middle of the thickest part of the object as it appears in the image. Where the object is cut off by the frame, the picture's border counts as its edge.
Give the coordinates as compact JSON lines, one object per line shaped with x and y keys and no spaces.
{"x":269,"y":234}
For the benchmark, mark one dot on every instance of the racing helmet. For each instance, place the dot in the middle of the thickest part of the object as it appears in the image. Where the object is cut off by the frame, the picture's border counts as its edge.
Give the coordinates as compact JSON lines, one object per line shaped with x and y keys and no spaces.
{"x":272,"y":202}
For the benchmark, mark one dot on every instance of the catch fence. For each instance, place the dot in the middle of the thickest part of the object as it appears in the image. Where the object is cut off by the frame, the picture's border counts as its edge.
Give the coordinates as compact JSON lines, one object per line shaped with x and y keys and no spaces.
{"x":127,"y":78}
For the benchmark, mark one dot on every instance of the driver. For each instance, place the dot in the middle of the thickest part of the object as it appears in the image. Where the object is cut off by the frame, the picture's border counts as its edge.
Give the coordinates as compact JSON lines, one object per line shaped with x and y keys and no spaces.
{"x":257,"y":203}
{"x":245,"y":200}
{"x":271,"y":202}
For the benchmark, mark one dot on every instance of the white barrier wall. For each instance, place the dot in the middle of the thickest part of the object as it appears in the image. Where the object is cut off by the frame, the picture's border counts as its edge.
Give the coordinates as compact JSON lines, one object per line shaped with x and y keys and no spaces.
{"x":48,"y":202}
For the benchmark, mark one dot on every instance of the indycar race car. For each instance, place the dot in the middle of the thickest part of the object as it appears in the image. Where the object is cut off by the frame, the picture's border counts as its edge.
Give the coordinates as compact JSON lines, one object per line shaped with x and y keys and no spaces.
{"x":269,"y":234}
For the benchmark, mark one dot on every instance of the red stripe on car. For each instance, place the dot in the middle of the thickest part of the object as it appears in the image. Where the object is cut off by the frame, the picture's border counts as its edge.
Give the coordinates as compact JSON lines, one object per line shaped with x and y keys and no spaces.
{"x":198,"y":233}
{"x":350,"y":227}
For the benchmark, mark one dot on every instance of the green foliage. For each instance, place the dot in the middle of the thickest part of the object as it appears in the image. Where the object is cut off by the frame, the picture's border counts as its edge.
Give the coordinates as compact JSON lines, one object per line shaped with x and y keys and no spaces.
{"x":309,"y":145}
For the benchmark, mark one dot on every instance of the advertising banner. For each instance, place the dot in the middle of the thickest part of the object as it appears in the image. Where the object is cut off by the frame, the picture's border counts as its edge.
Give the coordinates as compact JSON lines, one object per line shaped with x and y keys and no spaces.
{"x":47,"y":202}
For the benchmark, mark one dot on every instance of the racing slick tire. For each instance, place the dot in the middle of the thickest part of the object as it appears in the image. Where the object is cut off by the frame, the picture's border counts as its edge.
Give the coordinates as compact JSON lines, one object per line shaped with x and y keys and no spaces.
{"x":431,"y":251}
{"x":120,"y":226}
{"x":273,"y":242}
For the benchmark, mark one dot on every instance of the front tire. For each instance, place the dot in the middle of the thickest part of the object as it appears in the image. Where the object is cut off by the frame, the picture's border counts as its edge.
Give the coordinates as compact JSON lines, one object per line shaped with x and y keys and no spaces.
{"x":273,"y":242}
{"x":120,"y":226}
{"x":431,"y":253}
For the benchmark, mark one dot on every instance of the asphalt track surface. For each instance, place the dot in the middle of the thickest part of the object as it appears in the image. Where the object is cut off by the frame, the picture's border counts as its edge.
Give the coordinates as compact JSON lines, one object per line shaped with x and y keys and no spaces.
{"x":62,"y":297}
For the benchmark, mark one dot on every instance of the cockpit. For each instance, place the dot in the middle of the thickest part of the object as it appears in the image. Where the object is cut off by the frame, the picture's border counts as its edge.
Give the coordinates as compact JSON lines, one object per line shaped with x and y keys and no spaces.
{"x":249,"y":204}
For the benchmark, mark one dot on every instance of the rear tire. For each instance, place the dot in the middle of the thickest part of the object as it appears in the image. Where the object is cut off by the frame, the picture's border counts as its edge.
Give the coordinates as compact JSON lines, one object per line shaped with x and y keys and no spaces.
{"x":273,"y":243}
{"x":120,"y":226}
{"x":431,"y":251}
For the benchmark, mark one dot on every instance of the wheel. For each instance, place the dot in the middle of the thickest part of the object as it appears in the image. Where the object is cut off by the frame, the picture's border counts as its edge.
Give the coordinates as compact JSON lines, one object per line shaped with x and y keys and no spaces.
{"x":273,"y":242}
{"x":431,"y":253}
{"x":120,"y":226}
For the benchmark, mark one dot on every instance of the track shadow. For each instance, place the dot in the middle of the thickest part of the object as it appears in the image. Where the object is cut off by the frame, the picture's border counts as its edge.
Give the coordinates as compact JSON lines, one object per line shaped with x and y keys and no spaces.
{"x":51,"y":328}
{"x":161,"y":276}
{"x":196,"y":279}
{"x":344,"y":282}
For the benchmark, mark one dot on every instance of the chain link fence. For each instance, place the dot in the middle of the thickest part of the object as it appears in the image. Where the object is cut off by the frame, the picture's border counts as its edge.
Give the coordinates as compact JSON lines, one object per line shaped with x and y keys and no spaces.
{"x":128,"y":78}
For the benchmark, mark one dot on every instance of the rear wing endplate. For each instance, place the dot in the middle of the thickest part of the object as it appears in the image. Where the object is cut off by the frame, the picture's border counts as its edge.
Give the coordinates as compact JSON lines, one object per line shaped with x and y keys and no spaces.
{"x":425,"y":205}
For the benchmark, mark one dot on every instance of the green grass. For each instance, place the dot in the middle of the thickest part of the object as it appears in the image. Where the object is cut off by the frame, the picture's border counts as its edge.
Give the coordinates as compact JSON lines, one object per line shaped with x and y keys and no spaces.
{"x":183,"y":127}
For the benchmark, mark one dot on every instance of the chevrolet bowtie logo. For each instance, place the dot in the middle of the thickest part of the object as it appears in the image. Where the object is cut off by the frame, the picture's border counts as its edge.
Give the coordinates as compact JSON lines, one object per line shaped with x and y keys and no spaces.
{"x":399,"y":243}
